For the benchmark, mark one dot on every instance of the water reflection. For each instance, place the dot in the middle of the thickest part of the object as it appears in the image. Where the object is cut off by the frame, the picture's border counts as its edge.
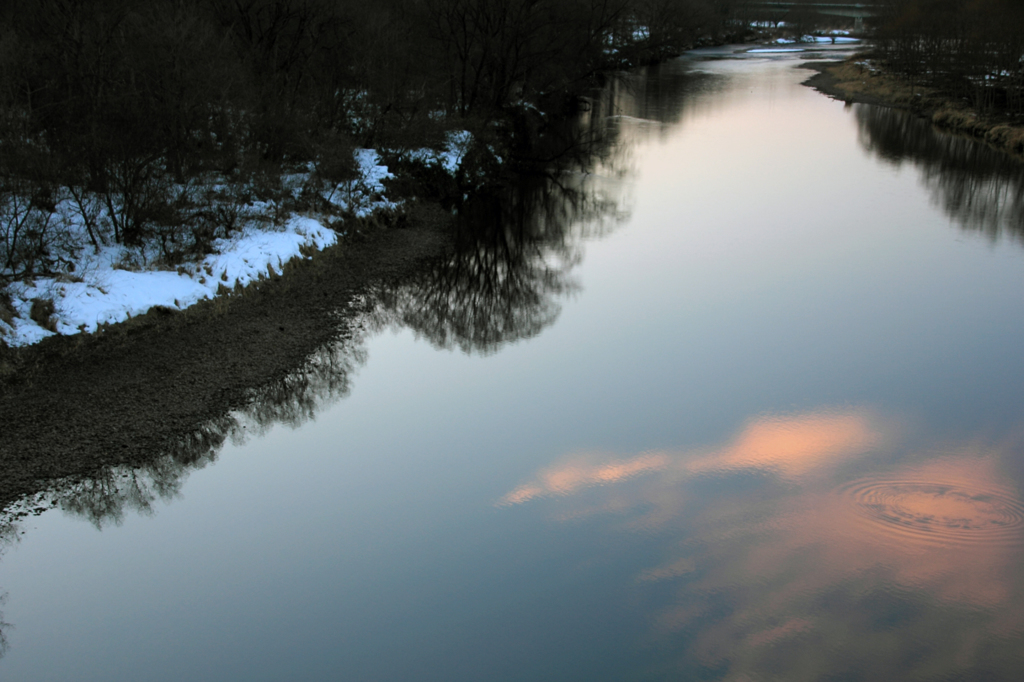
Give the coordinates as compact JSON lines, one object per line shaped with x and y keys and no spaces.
{"x":980,"y":188}
{"x":810,"y":545}
{"x":104,"y":497}
{"x":666,"y":94}
{"x":511,"y":263}
{"x":938,"y":508}
{"x":502,"y":283}
{"x":785,"y":446}
{"x":628,"y":109}
{"x":780,"y":560}
{"x":513,"y":260}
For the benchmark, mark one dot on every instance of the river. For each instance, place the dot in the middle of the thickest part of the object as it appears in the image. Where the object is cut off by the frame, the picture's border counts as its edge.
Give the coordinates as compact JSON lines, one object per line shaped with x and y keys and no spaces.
{"x":737,"y":396}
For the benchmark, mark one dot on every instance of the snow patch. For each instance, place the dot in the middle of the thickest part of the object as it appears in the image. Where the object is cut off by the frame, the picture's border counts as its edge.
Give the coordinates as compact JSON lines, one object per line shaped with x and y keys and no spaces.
{"x":457,"y":145}
{"x":364,"y":195}
{"x":827,"y":39}
{"x":104,"y":293}
{"x":111,"y":284}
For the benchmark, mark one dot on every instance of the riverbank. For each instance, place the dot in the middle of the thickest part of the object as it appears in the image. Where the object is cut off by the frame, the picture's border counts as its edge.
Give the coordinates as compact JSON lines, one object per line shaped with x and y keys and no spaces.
{"x":95,"y":284}
{"x":134,"y":391}
{"x":129,"y":392}
{"x":859,"y":80}
{"x":75,"y":404}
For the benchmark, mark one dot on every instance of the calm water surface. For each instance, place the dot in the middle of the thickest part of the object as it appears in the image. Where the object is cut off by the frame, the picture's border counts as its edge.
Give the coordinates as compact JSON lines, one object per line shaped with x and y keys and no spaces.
{"x":744,"y":402}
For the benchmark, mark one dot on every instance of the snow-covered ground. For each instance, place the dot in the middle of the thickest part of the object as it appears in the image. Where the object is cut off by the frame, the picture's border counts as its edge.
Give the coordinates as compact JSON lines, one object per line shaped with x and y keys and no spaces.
{"x":833,"y":37}
{"x":103,"y":292}
{"x":364,"y":195}
{"x":456,"y":147}
{"x":109,"y":285}
{"x":784,"y":43}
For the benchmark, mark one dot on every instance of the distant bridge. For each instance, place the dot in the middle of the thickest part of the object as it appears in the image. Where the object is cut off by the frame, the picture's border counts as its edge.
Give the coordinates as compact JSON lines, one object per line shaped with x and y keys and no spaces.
{"x":857,"y":11}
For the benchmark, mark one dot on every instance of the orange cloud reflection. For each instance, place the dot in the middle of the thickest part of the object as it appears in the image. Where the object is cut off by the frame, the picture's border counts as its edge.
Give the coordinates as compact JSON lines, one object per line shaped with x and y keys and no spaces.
{"x":932,"y":533}
{"x":794,"y":445}
{"x":791,"y":446}
{"x":963,"y":559}
{"x":579,"y":473}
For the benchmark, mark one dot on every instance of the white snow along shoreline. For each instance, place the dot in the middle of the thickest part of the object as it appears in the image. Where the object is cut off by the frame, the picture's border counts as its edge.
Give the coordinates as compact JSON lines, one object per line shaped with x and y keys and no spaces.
{"x":108,"y":286}
{"x":104,"y":293}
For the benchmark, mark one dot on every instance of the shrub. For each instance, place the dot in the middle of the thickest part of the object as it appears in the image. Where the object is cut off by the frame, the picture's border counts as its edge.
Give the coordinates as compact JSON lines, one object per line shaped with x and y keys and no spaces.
{"x":6,"y":308}
{"x":41,"y":312}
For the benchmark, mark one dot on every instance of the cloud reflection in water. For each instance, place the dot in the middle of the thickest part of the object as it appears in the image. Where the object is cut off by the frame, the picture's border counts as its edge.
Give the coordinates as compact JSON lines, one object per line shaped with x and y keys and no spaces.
{"x":786,"y":445}
{"x":774,"y":563}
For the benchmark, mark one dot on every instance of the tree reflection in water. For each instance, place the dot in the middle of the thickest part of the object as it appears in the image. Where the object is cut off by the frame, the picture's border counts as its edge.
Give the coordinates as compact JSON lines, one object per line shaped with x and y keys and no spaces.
{"x":978,"y":187}
{"x":514,"y":254}
{"x":515,"y":249}
{"x":501,"y":285}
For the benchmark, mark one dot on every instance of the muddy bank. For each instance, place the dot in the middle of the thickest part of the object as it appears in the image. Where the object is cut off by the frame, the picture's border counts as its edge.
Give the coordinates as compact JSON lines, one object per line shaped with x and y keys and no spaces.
{"x":855,"y":81}
{"x":74,"y":405}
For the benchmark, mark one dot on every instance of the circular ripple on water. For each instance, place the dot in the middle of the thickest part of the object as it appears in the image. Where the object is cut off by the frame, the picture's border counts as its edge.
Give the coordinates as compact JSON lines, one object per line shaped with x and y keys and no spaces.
{"x":939,"y":513}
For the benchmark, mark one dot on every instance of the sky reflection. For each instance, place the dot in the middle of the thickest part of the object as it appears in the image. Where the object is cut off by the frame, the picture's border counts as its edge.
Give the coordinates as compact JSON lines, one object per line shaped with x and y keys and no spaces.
{"x":776,"y":549}
{"x":788,"y":446}
{"x":618,"y":466}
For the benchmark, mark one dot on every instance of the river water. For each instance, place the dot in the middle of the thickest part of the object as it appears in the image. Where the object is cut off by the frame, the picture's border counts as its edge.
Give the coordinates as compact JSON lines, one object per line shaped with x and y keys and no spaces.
{"x":739,"y":398}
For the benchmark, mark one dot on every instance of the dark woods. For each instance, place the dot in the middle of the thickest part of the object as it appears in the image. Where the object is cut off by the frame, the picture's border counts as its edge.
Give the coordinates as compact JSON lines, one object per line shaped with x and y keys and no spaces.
{"x":972,"y":49}
{"x":154,"y":119}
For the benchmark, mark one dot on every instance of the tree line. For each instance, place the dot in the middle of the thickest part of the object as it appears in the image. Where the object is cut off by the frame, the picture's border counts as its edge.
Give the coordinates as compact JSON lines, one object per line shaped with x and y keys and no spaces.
{"x":971,"y":49}
{"x":116,"y":110}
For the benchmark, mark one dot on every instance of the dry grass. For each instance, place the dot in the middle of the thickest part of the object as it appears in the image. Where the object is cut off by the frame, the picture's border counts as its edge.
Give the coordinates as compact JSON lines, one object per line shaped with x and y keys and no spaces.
{"x":958,"y":118}
{"x":857,"y":80}
{"x":1006,"y":136}
{"x":859,"y":83}
{"x":1000,"y":135}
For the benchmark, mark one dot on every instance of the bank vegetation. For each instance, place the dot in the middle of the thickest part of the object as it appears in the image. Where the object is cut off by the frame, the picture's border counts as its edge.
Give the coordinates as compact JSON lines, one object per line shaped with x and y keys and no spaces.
{"x":151,"y":122}
{"x":959,"y":63}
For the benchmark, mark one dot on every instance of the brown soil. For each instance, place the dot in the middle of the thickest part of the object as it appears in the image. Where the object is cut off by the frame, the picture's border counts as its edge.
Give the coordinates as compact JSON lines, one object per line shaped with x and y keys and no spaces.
{"x":72,"y":405}
{"x":852,"y":82}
